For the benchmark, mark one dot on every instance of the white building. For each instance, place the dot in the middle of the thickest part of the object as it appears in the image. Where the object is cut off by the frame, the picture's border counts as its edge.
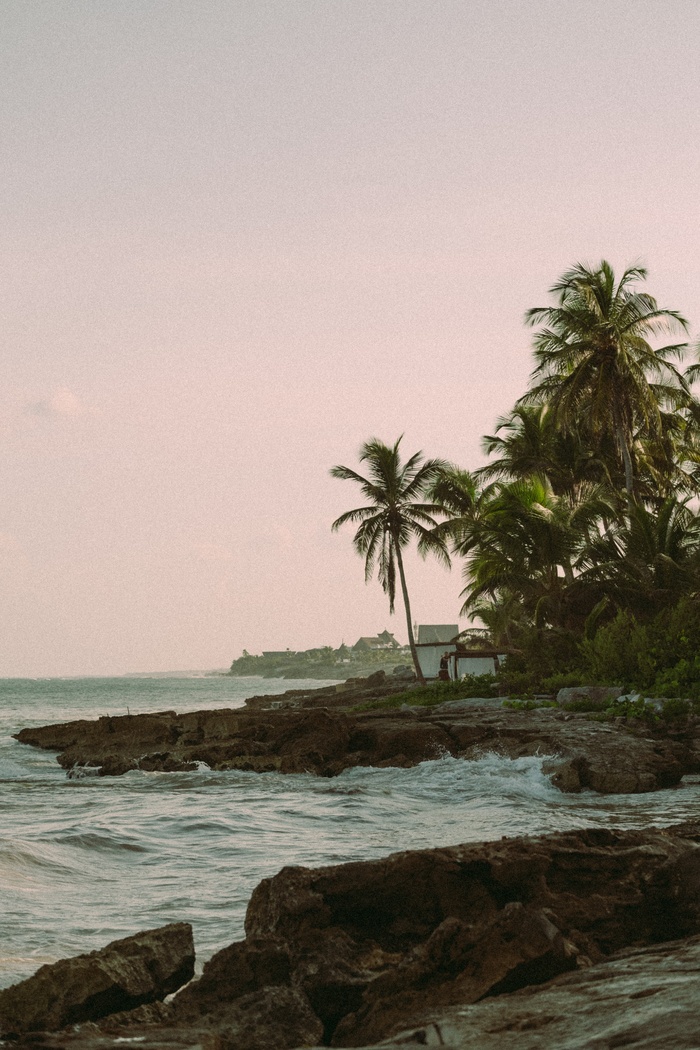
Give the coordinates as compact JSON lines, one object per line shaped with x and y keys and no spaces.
{"x":434,"y":640}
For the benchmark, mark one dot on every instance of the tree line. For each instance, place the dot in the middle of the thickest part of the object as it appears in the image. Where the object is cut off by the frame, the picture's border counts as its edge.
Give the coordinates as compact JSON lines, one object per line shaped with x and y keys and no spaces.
{"x":582,"y":529}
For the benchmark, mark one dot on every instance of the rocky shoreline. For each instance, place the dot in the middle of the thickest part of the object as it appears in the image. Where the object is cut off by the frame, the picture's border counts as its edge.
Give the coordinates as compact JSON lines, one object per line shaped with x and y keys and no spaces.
{"x":325,"y":731}
{"x":577,"y":939}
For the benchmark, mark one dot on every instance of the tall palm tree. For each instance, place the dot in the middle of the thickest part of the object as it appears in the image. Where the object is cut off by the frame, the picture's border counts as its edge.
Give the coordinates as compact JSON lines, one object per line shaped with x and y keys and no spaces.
{"x":396,"y":514}
{"x":458,"y":494}
{"x":595,"y":361}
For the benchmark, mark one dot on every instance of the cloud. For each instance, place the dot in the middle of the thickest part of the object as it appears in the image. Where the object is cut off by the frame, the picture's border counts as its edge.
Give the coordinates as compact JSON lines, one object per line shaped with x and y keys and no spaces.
{"x":63,"y":402}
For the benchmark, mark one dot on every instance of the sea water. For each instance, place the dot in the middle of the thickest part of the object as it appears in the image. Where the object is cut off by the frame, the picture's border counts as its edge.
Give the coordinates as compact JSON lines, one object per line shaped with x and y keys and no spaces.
{"x":86,"y":860}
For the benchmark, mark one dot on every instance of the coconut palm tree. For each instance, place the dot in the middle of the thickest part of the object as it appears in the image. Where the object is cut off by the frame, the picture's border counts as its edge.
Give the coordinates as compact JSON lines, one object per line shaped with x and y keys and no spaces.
{"x":458,"y":494}
{"x":595,"y":361}
{"x":648,"y":562}
{"x":523,"y":547}
{"x":529,"y":442}
{"x":395,"y":515}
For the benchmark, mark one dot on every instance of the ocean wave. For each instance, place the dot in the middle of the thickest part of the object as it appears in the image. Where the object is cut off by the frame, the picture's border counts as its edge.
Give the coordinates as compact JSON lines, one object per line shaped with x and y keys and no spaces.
{"x":24,"y":864}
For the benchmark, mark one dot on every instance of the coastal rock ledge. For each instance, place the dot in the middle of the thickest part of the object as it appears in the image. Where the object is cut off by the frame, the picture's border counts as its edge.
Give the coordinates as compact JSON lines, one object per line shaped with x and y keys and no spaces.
{"x":325,"y":740}
{"x":576,"y":939}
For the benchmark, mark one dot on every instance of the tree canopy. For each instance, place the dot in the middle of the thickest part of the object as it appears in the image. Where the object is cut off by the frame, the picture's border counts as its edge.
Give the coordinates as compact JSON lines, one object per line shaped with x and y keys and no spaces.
{"x":587,"y":508}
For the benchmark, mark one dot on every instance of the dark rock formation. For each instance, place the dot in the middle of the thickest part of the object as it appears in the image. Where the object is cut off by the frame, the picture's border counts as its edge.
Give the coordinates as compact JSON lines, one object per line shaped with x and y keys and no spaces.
{"x":645,"y":998}
{"x":378,"y":945}
{"x":128,"y":972}
{"x":277,"y":1017}
{"x":461,"y":946}
{"x":606,"y":757}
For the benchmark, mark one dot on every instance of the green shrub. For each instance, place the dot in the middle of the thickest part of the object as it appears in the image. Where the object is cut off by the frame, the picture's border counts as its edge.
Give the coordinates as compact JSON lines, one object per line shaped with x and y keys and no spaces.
{"x":469,"y":687}
{"x":567,"y":680}
{"x":637,"y":710}
{"x":676,"y":710}
{"x":680,"y":680}
{"x":617,"y":651}
{"x":517,"y":683}
{"x":660,"y":658}
{"x":544,"y":652}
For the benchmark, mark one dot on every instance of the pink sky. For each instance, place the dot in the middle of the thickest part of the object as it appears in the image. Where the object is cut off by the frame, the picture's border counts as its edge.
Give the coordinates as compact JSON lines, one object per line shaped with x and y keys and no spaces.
{"x":239,"y":239}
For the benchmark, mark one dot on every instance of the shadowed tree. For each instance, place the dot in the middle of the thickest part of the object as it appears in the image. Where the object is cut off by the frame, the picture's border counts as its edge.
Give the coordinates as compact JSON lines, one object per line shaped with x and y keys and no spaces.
{"x":529,"y":442}
{"x":595,"y":362}
{"x":396,"y":514}
{"x":650,"y":561}
{"x":459,"y":496}
{"x":522,"y":547}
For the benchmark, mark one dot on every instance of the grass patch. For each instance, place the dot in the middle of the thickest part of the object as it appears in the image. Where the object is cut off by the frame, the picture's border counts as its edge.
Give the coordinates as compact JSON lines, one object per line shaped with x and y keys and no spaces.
{"x":470,"y":687}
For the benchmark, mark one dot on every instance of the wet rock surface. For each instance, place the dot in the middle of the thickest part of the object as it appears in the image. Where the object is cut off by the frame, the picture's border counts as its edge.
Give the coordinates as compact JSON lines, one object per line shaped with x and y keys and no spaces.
{"x":507,"y":943}
{"x":321,"y":732}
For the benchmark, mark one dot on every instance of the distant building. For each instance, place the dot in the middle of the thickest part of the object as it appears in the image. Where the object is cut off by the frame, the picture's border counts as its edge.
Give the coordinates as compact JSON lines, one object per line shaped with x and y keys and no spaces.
{"x":385,"y":640}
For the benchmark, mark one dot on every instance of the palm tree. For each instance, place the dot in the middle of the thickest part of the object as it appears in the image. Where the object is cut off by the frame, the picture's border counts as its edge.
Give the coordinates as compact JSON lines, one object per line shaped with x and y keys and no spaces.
{"x":595,"y":361}
{"x":529,"y":442}
{"x":648,"y":562}
{"x":522,"y":549}
{"x":395,"y":515}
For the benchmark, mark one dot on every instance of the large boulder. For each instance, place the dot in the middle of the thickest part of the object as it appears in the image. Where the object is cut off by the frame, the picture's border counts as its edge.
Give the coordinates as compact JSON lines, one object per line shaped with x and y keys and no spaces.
{"x":376,"y":945}
{"x":271,"y":1019}
{"x":587,"y":697}
{"x":121,"y":976}
{"x":460,"y":963}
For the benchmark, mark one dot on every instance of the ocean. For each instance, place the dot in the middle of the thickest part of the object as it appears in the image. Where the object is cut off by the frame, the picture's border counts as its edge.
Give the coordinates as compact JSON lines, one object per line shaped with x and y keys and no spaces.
{"x":86,"y":860}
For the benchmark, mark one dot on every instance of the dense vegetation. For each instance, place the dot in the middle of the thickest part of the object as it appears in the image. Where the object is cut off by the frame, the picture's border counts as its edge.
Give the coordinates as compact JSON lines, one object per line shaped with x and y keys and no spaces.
{"x":580,"y":539}
{"x":325,"y":662}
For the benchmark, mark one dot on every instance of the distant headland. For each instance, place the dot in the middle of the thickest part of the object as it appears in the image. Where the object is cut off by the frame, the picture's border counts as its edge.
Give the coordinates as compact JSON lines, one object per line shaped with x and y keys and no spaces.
{"x":380,"y":652}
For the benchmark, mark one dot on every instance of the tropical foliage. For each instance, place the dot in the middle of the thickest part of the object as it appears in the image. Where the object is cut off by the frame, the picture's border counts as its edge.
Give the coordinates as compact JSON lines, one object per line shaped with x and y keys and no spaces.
{"x":594,"y":360}
{"x":587,"y":504}
{"x":581,"y":534}
{"x":579,"y":539}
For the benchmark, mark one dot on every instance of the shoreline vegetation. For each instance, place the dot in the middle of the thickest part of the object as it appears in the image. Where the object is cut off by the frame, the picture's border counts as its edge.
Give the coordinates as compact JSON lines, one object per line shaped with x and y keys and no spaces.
{"x":579,"y":540}
{"x":325,"y":662}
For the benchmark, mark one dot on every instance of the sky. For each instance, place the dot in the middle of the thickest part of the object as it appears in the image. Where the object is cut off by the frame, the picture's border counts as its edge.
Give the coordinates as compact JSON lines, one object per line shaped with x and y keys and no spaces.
{"x":241,"y":239}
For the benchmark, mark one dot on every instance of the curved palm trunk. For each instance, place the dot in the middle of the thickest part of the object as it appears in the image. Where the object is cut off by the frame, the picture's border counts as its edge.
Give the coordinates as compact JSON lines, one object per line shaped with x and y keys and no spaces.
{"x":407,"y":605}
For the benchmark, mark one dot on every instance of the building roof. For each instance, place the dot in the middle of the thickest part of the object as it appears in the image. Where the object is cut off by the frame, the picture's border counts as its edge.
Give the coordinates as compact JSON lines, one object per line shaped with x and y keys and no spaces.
{"x":437,"y":633}
{"x":385,"y":640}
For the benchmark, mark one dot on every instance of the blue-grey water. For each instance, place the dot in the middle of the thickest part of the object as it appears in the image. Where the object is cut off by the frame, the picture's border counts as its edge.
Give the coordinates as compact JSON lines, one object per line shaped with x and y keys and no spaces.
{"x":83,"y":861}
